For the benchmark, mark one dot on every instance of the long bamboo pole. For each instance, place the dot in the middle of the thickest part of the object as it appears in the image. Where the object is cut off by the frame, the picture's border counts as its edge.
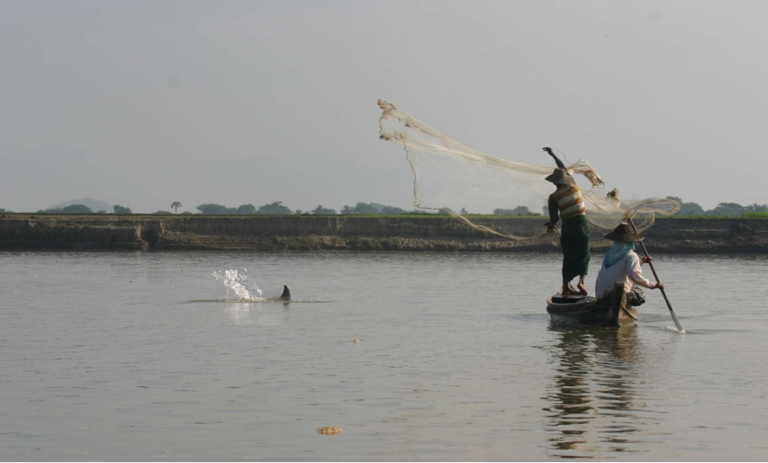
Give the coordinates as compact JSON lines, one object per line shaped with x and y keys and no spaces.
{"x":663,"y":293}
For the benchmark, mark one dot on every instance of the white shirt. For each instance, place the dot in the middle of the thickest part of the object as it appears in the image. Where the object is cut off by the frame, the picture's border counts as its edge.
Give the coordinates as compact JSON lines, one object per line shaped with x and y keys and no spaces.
{"x":627,"y":270}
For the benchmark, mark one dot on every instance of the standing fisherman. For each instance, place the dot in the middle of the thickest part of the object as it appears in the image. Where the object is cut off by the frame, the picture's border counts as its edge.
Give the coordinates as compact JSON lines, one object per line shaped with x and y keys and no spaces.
{"x":567,"y":203}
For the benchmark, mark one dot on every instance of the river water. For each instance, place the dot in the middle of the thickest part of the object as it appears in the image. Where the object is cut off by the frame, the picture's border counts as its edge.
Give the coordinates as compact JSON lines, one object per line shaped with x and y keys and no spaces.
{"x":148,"y":356}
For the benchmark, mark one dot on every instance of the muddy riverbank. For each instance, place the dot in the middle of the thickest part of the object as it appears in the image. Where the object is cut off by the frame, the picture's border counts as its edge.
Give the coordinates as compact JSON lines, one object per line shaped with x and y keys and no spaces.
{"x":348,"y":233}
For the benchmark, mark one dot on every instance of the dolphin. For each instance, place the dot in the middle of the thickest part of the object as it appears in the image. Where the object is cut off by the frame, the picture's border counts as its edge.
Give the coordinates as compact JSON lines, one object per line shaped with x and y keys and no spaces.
{"x":286,"y":296}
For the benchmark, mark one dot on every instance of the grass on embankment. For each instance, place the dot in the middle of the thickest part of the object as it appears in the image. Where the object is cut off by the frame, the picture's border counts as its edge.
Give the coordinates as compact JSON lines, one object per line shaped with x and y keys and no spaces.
{"x":111,"y":216}
{"x":250,"y":216}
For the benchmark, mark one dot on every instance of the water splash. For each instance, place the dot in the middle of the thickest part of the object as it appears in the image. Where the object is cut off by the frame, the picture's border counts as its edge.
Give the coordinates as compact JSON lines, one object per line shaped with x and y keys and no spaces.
{"x":237,"y":281}
{"x":672,"y":328}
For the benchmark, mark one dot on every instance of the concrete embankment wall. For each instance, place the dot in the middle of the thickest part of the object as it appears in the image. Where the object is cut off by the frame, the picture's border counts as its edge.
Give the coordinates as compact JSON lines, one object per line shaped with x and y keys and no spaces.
{"x":348,"y":233}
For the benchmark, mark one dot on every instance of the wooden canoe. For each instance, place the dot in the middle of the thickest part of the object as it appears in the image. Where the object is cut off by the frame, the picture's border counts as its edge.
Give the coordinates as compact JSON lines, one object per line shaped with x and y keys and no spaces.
{"x":611,"y":310}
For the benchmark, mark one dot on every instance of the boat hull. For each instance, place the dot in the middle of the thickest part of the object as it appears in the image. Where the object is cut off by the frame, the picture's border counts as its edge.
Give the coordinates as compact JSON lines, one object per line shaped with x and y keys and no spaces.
{"x":612,"y":310}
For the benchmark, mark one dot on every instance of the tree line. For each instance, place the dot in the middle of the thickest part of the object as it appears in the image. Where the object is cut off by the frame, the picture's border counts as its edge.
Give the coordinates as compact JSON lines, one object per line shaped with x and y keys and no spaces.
{"x":278,"y":207}
{"x":691,"y":209}
{"x":687,"y":209}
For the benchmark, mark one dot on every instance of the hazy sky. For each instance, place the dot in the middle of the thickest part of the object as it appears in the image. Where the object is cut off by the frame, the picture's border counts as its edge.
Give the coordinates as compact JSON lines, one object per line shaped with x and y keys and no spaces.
{"x":144,"y":103}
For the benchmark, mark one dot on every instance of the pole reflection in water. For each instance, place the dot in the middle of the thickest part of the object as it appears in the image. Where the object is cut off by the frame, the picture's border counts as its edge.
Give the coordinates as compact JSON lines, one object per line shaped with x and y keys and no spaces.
{"x":595,"y":399}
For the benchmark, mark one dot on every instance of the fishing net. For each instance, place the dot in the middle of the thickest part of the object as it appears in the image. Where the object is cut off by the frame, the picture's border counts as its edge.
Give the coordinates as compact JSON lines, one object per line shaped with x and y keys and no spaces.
{"x":453,"y":178}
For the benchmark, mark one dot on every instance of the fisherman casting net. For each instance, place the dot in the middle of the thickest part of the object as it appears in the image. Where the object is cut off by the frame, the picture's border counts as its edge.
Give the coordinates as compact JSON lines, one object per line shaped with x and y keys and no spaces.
{"x":450,"y":176}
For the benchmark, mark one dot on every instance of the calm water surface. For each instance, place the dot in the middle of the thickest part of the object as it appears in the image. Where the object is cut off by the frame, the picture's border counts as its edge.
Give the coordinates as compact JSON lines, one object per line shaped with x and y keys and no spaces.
{"x":123,"y":356}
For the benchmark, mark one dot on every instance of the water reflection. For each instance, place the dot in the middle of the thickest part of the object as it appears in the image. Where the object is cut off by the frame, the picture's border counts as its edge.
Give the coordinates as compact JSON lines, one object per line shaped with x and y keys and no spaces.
{"x":238,"y":314}
{"x":256,"y":314}
{"x":594,"y":406}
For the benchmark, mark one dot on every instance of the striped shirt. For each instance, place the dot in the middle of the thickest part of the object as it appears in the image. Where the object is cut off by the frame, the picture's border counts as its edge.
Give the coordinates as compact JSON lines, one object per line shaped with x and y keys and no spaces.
{"x":568,"y":201}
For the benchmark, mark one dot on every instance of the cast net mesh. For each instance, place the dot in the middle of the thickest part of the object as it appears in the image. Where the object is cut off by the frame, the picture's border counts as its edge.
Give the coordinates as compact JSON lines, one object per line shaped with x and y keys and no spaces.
{"x":450,"y":176}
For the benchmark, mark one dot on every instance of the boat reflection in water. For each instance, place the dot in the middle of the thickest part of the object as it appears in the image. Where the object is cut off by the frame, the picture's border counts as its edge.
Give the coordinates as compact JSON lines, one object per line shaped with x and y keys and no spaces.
{"x":595,"y":400}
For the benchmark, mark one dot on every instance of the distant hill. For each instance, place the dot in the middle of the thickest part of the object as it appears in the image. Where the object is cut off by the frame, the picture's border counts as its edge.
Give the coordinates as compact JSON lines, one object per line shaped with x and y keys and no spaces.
{"x":94,"y":204}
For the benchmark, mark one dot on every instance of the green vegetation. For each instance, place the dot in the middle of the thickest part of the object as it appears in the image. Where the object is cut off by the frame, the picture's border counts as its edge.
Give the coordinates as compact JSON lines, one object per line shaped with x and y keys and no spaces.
{"x":727,"y":210}
{"x":518,"y":211}
{"x":320,"y":210}
{"x":756,"y":208}
{"x":407,"y":215}
{"x":73,"y":209}
{"x":244,"y":209}
{"x":215,"y":209}
{"x":722,"y":209}
{"x":274,"y":208}
{"x":218,"y":209}
{"x":688,"y":209}
{"x":692,"y":217}
{"x":371,"y":208}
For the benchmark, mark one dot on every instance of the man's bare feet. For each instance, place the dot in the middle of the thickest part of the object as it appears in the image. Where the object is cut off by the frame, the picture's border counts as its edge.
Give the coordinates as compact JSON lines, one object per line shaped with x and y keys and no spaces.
{"x":582,"y":289}
{"x":568,"y":290}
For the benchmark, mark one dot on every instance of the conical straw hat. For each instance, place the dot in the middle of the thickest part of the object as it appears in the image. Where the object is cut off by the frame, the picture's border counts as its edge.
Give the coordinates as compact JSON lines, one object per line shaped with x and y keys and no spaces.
{"x":561,"y":177}
{"x":623,"y":233}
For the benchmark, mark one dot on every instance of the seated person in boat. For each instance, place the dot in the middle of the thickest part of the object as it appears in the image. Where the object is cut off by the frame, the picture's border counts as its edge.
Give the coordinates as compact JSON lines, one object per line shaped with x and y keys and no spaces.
{"x":622,"y":264}
{"x":567,"y":203}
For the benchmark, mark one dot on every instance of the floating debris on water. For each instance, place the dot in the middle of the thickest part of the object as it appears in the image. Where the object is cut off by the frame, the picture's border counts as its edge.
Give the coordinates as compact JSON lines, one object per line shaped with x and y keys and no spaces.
{"x":356,"y":341}
{"x":330,"y":430}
